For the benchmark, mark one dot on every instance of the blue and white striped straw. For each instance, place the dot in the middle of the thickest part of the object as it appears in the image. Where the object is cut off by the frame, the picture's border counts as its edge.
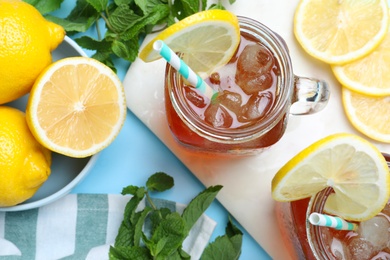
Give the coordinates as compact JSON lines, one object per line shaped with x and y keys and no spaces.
{"x":184,"y":70}
{"x":318,"y":219}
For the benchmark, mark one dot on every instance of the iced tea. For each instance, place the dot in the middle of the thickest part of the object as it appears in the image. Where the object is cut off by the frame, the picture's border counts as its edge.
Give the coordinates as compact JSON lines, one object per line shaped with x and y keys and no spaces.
{"x":248,"y":88}
{"x":256,"y":91}
{"x":371,"y":240}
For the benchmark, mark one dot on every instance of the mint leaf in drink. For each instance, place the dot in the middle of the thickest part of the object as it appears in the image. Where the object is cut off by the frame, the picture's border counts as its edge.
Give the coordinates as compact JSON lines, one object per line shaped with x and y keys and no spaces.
{"x":159,"y":181}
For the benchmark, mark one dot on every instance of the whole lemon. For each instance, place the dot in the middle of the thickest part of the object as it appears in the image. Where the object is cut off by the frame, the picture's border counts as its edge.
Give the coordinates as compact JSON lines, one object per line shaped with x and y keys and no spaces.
{"x":26,"y":42}
{"x":24,"y":163}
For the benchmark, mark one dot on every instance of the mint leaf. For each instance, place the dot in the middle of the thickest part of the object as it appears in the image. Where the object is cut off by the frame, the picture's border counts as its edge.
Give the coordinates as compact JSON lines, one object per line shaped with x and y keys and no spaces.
{"x":125,"y":49}
{"x":173,"y":230}
{"x":199,"y":204}
{"x":122,"y":18}
{"x":45,"y":6}
{"x":124,"y":2}
{"x":131,"y":189}
{"x":72,"y":26}
{"x":91,"y":44}
{"x":126,"y":21}
{"x":82,"y":17}
{"x":141,"y":216}
{"x":99,"y":5}
{"x":159,"y":233}
{"x":157,"y":14}
{"x":235,"y":235}
{"x":159,"y":181}
{"x":147,"y":6}
{"x":125,"y":253}
{"x":225,"y":247}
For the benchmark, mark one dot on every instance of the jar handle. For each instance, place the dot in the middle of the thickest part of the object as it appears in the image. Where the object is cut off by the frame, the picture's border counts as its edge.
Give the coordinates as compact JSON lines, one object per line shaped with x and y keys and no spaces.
{"x":310,"y":96}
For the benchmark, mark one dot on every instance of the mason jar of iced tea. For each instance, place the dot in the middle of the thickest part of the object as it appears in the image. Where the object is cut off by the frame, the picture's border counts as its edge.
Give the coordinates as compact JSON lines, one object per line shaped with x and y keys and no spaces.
{"x":257,"y":91}
{"x":370,"y":241}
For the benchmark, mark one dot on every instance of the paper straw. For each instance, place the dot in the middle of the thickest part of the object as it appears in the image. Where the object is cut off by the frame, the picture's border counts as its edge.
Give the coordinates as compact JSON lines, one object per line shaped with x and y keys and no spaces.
{"x":330,"y":221}
{"x":184,"y":70}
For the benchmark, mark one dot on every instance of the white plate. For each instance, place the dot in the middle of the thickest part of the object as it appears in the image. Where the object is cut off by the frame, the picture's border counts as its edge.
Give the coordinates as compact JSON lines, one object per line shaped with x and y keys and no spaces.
{"x":66,"y":172}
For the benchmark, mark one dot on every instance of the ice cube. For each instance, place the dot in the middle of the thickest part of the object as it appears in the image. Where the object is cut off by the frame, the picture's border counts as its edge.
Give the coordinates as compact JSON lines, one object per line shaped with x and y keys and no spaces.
{"x":254,"y":69}
{"x":257,"y":83}
{"x":360,"y":249}
{"x":218,"y":116}
{"x":256,"y":107}
{"x":230,"y":100}
{"x":337,"y":248}
{"x":376,"y":230}
{"x":194,"y":97}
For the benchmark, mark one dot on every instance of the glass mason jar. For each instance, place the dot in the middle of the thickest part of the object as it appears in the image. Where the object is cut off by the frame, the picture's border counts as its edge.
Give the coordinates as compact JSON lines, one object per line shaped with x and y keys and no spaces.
{"x":293,"y":95}
{"x":306,"y":241}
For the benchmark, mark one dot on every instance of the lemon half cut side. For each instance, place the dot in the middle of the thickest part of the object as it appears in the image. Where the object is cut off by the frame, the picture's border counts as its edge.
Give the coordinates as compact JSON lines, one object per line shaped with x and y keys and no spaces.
{"x":206,"y":40}
{"x":352,"y":166}
{"x":76,"y":107}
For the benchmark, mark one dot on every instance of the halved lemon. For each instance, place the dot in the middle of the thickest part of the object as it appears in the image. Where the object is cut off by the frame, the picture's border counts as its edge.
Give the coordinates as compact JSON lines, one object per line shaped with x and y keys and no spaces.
{"x":206,"y":40}
{"x":369,"y":75}
{"x":338,"y":32}
{"x":76,"y":107}
{"x":369,"y":115}
{"x":351,"y":165}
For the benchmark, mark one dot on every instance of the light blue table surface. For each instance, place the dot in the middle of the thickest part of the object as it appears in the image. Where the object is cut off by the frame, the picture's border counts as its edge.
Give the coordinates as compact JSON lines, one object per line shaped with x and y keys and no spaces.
{"x":137,"y":153}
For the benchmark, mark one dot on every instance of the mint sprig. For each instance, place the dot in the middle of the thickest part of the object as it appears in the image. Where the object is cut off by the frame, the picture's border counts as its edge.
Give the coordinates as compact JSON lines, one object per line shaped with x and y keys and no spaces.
{"x":168,"y":229}
{"x":120,"y":24}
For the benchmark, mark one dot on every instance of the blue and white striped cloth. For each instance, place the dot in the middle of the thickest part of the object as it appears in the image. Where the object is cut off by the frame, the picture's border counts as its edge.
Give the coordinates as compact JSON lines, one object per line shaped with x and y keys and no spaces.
{"x":80,"y":226}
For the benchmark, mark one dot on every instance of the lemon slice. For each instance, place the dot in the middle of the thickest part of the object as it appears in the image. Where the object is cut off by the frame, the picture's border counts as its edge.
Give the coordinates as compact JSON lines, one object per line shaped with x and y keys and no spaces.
{"x":351,"y":165}
{"x":76,"y":107}
{"x":369,"y":115}
{"x":207,"y":40}
{"x":369,"y":75}
{"x":338,"y":32}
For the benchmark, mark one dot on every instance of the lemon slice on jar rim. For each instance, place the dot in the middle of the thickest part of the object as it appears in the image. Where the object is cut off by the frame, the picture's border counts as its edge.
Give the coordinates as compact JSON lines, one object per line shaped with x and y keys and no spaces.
{"x":351,"y":165}
{"x":206,"y":40}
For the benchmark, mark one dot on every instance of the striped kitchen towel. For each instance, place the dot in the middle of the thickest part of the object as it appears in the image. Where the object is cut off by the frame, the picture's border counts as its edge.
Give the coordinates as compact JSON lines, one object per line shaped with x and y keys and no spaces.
{"x":80,"y":226}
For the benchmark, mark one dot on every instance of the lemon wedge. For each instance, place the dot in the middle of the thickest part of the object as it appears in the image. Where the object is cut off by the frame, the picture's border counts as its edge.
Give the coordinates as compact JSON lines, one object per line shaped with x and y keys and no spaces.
{"x":368,"y":114}
{"x":338,"y":32}
{"x":351,"y":165}
{"x":369,"y":75}
{"x":206,"y":40}
{"x":76,"y":107}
